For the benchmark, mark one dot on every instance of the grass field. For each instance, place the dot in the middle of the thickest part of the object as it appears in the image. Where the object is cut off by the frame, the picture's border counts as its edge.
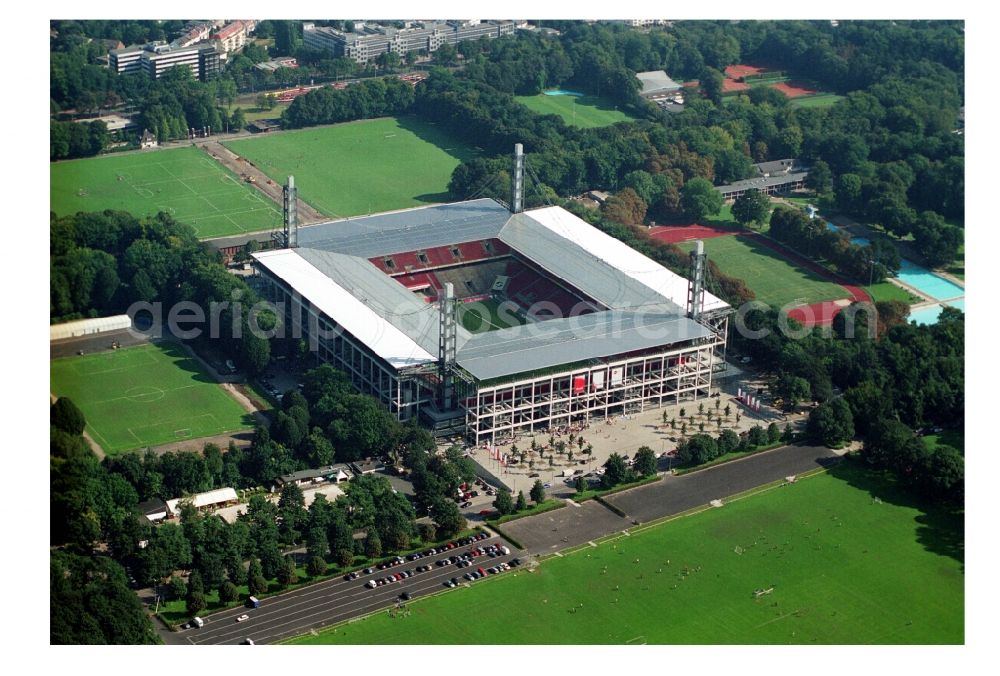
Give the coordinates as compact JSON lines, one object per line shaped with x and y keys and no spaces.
{"x":816,"y":101}
{"x":361,"y":167}
{"x":580,"y":111}
{"x":184,"y":182}
{"x":775,"y":280}
{"x":842,"y":567}
{"x":486,"y":315}
{"x":889,"y":291}
{"x":145,"y":396}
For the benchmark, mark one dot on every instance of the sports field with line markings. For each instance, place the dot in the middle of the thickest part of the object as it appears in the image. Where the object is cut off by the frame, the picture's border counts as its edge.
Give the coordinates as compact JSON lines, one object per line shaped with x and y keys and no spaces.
{"x":184,"y":182}
{"x":146,"y":396}
{"x":362,"y":167}
{"x":775,"y":280}
{"x":579,"y":111}
{"x":845,"y":557}
{"x":485,"y":315}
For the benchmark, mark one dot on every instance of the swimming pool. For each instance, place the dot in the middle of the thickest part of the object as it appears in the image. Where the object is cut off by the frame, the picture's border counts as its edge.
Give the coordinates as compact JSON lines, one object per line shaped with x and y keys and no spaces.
{"x":927,"y":282}
{"x":563,"y":92}
{"x":831,"y":226}
{"x":860,"y":241}
{"x":927,"y":315}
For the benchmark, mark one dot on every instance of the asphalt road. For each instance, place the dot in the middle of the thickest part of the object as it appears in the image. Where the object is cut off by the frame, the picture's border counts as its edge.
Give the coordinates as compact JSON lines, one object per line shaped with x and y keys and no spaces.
{"x":676,"y":494}
{"x":572,"y":526}
{"x":297,"y":612}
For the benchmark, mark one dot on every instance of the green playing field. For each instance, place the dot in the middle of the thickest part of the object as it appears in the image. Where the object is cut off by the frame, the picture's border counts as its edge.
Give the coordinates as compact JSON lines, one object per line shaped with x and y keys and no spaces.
{"x":361,"y":167}
{"x":146,"y":396}
{"x":488,"y":315}
{"x":580,"y":111}
{"x":774,"y":279}
{"x":184,"y":182}
{"x":836,"y":558}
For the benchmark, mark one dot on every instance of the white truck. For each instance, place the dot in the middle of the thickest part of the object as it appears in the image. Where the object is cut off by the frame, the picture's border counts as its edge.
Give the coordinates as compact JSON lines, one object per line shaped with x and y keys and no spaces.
{"x":197,"y":622}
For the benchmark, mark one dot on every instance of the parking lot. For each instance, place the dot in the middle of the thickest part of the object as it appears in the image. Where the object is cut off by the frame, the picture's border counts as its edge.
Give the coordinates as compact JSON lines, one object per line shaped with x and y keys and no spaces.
{"x":566,"y":527}
{"x":320,"y":605}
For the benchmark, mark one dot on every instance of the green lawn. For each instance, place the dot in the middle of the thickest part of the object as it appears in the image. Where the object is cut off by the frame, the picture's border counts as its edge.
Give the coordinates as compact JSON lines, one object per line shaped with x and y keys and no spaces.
{"x":816,"y":101}
{"x":361,"y":167}
{"x":775,"y":280}
{"x":580,"y":111}
{"x":145,"y":396}
{"x":842,"y":567}
{"x":953,"y":438}
{"x":185,"y":182}
{"x":486,"y":315}
{"x":889,"y":291}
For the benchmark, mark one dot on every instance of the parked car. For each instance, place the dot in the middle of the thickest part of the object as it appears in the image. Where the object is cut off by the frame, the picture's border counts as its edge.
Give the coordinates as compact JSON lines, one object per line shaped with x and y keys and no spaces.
{"x":485,"y":512}
{"x":467,"y":503}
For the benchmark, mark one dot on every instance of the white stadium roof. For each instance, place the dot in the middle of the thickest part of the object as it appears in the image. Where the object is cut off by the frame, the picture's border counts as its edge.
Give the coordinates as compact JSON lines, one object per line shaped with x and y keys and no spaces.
{"x":336,"y":302}
{"x":332,"y":270}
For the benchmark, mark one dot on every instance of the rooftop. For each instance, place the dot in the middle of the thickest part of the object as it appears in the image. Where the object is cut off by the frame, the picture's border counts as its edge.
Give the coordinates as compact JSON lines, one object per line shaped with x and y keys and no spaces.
{"x":331,"y":270}
{"x":656,"y":81}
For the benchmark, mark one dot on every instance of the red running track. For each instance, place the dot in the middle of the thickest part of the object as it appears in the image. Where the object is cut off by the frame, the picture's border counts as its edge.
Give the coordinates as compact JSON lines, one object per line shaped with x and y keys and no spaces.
{"x":675,"y":234}
{"x":814,"y":314}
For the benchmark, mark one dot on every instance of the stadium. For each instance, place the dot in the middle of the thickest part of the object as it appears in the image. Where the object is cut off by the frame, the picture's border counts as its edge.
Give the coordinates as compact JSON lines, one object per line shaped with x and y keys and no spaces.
{"x":488,"y":320}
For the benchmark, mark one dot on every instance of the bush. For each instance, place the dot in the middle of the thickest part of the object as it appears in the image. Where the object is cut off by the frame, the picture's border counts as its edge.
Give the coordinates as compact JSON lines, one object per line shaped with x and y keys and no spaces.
{"x":316,"y":566}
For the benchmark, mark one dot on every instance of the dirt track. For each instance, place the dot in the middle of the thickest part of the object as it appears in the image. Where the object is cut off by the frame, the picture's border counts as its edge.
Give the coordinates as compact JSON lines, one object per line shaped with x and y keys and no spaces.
{"x":261,"y":181}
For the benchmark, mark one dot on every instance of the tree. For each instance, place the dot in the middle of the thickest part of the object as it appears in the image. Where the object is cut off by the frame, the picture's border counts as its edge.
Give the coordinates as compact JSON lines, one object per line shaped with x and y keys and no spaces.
{"x":819,"y":179}
{"x":504,"y":503}
{"x":788,"y":436}
{"x":195,"y":602}
{"x":287,"y":574}
{"x":316,"y":566}
{"x":711,"y":81}
{"x":448,"y":518}
{"x":831,"y":423}
{"x":753,"y":206}
{"x":537,"y":492}
{"x":256,"y":582}
{"x":756,"y":436}
{"x":373,"y":545}
{"x":228,"y":592}
{"x":176,"y":587}
{"x":645,"y":461}
{"x":773,"y":433}
{"x":65,"y":415}
{"x":445,"y":54}
{"x":625,"y":207}
{"x":615,"y":471}
{"x":266,"y":101}
{"x":521,"y":503}
{"x":698,"y":450}
{"x":700,"y":199}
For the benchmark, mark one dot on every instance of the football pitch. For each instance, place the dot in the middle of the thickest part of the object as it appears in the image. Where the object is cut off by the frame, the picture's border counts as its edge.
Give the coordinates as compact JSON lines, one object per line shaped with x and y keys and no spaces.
{"x":487,"y":315}
{"x":835,"y":558}
{"x":580,"y":111}
{"x":184,"y":182}
{"x":361,"y":167}
{"x":146,"y":396}
{"x":774,"y":279}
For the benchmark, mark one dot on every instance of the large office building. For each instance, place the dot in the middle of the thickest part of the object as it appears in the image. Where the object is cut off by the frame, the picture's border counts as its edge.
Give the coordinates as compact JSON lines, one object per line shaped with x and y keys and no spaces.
{"x":368,"y":41}
{"x":488,"y":321}
{"x":156,"y":58}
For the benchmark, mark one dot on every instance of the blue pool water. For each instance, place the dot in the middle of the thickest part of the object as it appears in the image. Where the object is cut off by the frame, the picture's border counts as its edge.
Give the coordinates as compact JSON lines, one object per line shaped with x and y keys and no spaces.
{"x":563,"y":92}
{"x":831,"y":226}
{"x":958,"y":304}
{"x":860,"y":241}
{"x":927,"y":282}
{"x":927,"y":315}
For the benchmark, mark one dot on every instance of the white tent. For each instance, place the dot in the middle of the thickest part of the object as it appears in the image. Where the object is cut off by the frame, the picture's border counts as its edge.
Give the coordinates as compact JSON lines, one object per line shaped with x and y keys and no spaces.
{"x":86,"y":327}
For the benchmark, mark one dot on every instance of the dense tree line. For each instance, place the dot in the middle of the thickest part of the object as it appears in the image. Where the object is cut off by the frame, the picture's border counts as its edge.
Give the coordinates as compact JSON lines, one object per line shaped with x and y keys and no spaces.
{"x":72,"y":139}
{"x":886,"y":153}
{"x":370,"y":98}
{"x":907,"y":377}
{"x":870,"y":263}
{"x":101,"y":263}
{"x":702,"y":448}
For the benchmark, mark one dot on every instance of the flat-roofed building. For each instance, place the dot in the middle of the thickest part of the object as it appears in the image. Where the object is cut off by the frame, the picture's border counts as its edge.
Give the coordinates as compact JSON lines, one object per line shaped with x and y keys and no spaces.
{"x":370,"y":40}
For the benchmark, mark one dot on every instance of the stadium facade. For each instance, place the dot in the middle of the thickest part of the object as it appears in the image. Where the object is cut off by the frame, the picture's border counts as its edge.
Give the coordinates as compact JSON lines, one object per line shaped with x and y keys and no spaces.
{"x":581,"y":326}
